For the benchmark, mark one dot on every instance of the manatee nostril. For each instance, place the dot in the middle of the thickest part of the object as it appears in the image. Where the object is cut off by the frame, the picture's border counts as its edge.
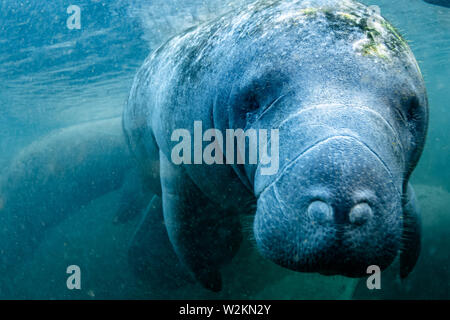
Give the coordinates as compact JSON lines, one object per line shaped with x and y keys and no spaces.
{"x":320,"y":211}
{"x":360,"y":214}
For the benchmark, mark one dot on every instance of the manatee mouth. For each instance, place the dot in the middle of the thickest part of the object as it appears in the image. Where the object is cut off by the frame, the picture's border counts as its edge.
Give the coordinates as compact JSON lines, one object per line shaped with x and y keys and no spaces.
{"x":334,"y":209}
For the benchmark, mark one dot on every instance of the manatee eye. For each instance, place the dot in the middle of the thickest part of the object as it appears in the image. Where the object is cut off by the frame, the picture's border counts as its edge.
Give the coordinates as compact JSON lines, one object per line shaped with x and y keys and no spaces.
{"x":413,"y":112}
{"x":256,"y":96}
{"x":251,"y":102}
{"x":259,"y":99}
{"x":250,"y":106}
{"x":415,"y":117}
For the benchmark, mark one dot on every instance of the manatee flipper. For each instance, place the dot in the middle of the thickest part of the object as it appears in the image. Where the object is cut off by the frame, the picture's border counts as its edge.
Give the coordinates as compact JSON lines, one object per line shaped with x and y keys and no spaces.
{"x":133,"y":198}
{"x":204,"y":236}
{"x":151,"y":254}
{"x":411,"y":234}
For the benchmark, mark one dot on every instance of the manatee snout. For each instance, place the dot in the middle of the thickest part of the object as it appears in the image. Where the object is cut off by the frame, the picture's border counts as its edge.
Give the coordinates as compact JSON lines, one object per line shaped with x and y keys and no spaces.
{"x":333,"y":209}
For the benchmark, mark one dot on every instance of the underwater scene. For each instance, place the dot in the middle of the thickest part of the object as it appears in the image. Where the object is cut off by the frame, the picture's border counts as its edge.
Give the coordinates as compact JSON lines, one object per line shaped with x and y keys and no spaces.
{"x":224,"y":149}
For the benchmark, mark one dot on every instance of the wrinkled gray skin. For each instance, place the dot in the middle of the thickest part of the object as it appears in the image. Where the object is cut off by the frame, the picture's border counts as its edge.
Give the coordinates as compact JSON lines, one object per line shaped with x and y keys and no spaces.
{"x":346,"y":94}
{"x":57,"y":175}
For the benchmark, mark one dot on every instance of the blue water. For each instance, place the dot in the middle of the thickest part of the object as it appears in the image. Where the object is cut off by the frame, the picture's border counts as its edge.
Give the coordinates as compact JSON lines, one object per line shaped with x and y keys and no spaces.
{"x":52,"y":77}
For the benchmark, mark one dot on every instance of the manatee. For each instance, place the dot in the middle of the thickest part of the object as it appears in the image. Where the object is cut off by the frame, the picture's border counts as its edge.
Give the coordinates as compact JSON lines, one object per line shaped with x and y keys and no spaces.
{"x":56,"y":176}
{"x":344,"y":91}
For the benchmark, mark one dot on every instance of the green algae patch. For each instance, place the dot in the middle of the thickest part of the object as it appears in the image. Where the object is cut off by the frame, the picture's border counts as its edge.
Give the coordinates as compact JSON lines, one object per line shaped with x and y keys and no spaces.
{"x":348,"y":16}
{"x":381,"y":40}
{"x":309,"y":11}
{"x":395,"y":32}
{"x":373,"y":49}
